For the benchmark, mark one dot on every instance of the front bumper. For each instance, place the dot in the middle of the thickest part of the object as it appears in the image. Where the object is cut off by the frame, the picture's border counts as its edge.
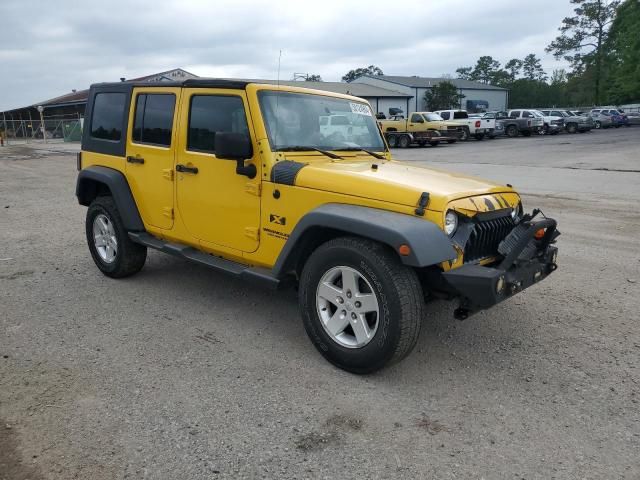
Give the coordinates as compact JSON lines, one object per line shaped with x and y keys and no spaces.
{"x":526,"y":261}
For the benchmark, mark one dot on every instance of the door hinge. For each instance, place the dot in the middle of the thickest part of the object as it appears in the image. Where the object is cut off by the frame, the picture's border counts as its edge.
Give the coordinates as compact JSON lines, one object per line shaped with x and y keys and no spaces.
{"x":253,"y":188}
{"x":167,"y":212}
{"x":252,"y":232}
{"x":168,"y":173}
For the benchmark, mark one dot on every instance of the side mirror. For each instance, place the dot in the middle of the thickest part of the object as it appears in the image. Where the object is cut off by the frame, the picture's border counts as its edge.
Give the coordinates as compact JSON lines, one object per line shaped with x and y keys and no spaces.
{"x":236,"y":146}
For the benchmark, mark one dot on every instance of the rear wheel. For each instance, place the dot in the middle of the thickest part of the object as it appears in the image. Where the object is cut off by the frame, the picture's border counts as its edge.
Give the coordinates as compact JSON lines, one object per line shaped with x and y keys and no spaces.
{"x":479,"y":136}
{"x":112,"y":250}
{"x":512,"y":131}
{"x":404,"y":141}
{"x":361,"y":307}
{"x":572,"y":128}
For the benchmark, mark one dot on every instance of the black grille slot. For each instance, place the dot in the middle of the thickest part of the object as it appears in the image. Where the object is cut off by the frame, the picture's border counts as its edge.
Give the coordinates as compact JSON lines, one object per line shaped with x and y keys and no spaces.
{"x":485,"y":238}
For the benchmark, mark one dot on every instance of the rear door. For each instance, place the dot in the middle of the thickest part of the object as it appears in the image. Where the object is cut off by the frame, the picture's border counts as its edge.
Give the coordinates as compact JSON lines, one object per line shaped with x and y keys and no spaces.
{"x":150,"y":152}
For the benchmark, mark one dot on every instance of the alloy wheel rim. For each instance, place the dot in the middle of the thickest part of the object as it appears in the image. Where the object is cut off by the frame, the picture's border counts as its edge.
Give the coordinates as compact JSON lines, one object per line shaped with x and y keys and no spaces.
{"x":347,"y":307}
{"x":104,"y":238}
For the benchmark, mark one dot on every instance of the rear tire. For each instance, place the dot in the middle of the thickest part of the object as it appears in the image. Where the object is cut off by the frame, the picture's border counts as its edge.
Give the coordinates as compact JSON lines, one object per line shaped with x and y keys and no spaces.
{"x":572,"y":128}
{"x":112,"y":250}
{"x":393,"y":297}
{"x":512,"y":131}
{"x":598,"y":125}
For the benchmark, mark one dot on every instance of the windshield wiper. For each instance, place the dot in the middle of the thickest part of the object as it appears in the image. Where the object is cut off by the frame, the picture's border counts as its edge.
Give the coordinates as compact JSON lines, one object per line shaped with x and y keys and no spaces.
{"x":305,"y":148}
{"x":358,"y":149}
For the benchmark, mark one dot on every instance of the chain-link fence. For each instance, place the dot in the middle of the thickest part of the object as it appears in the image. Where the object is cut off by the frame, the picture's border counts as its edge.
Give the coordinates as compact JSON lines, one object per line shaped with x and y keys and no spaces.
{"x":55,"y":128}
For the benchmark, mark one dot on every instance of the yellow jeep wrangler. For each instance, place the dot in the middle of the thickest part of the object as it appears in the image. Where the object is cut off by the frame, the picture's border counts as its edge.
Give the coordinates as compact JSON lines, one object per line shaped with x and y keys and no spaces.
{"x":240,"y":177}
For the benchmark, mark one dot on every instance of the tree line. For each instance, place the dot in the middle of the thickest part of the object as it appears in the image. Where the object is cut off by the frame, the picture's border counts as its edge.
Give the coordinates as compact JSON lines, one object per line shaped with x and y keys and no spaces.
{"x":601,"y":42}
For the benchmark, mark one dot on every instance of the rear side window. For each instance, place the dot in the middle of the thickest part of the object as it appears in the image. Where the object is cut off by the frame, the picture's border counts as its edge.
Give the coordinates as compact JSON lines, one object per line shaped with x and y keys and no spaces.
{"x":108,"y":116}
{"x":209,"y":114}
{"x":515,"y":114}
{"x":457,"y":115}
{"x":154,"y":118}
{"x":416,"y":118}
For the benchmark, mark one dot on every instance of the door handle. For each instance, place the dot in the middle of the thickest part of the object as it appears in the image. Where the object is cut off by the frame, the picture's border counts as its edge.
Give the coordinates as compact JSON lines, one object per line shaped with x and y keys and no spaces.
{"x":139,"y":160}
{"x":184,"y":169}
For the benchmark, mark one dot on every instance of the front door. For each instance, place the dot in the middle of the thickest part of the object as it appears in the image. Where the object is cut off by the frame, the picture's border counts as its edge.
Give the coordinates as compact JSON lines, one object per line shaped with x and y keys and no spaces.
{"x":150,"y":153}
{"x":217,"y":205}
{"x":416,"y":123}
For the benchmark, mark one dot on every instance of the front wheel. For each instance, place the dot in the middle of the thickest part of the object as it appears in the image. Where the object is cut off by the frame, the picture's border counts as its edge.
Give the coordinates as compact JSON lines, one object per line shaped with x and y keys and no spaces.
{"x":572,"y":128}
{"x":465,"y":134}
{"x":598,"y":125}
{"x":361,"y":307}
{"x":112,"y":250}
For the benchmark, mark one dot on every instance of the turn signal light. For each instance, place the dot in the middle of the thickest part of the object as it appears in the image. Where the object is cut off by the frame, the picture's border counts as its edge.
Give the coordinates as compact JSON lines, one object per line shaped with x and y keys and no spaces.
{"x":404,"y":250}
{"x":539,"y":234}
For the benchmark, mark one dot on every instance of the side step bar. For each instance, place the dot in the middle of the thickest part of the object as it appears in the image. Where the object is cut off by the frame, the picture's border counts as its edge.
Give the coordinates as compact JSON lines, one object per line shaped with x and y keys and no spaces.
{"x":253,"y":274}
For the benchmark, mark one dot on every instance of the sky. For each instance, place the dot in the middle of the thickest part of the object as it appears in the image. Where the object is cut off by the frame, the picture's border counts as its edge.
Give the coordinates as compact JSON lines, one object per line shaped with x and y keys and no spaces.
{"x":48,"y":48}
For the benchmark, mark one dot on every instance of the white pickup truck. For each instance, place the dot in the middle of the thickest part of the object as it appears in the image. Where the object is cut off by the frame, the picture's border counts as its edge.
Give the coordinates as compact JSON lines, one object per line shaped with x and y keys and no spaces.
{"x":471,"y":127}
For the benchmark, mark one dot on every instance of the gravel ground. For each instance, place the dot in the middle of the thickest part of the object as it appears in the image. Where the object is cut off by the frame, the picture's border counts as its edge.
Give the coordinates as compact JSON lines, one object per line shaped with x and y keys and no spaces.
{"x":181,"y":372}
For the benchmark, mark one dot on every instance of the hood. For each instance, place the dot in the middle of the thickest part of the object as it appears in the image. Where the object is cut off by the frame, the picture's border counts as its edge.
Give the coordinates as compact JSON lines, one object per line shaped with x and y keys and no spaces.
{"x":397,"y":182}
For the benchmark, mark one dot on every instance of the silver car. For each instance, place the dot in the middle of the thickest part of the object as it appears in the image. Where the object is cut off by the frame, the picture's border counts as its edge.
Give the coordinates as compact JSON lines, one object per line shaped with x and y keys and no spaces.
{"x":601,"y":120}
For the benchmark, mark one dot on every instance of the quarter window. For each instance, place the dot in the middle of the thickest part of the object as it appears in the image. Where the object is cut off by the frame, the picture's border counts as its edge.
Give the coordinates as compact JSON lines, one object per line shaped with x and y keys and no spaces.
{"x":108,"y":116}
{"x":210,"y":114}
{"x":445,"y":115}
{"x":154,"y":118}
{"x":515,"y":114}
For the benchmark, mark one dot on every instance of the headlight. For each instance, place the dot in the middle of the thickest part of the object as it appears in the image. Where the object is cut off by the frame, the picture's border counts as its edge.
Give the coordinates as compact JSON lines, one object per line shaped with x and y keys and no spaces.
{"x":516,"y":213}
{"x":450,"y":222}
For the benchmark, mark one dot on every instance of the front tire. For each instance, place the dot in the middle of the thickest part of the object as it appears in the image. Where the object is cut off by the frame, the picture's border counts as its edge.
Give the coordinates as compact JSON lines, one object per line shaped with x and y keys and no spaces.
{"x":465,"y":134}
{"x":598,"y":125}
{"x":404,"y":141}
{"x":112,"y":250}
{"x":361,"y":307}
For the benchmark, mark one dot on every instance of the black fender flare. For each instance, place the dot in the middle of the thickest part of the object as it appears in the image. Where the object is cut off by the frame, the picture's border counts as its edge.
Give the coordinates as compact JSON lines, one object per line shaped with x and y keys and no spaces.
{"x":89,"y":186}
{"x":429,"y":244}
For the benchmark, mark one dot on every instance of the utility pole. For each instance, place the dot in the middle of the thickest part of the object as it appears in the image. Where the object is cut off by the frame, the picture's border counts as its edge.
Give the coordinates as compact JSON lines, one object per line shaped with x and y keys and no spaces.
{"x":6,"y":131}
{"x":44,"y":130}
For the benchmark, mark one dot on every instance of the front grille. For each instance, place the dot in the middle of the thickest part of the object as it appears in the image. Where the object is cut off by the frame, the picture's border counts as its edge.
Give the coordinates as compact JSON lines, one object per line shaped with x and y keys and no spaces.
{"x":485,"y":238}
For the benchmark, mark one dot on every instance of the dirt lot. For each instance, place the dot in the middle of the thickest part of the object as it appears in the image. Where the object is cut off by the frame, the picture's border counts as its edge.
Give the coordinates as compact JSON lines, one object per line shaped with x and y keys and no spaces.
{"x":181,"y":372}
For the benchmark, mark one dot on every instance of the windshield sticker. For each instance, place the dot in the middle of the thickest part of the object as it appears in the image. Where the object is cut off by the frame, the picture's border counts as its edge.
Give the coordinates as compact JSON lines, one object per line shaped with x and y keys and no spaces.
{"x":360,"y":109}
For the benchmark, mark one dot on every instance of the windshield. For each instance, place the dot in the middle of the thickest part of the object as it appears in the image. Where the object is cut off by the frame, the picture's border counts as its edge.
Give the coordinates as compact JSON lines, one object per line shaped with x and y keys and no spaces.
{"x":327,"y":123}
{"x":537,"y":113}
{"x":569,"y":114}
{"x":432,"y":117}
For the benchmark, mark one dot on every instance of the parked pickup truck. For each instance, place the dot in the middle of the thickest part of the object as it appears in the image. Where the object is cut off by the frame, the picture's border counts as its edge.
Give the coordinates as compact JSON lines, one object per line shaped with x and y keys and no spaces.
{"x":523,"y":122}
{"x":420,"y":128}
{"x":470,"y":126}
{"x":490,"y":122}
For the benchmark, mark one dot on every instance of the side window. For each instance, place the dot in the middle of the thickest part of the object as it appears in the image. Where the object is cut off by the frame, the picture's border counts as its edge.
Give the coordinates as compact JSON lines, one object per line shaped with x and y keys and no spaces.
{"x":445,"y":115}
{"x":209,"y":114}
{"x":515,"y":114}
{"x":153,"y":119}
{"x":416,"y":118}
{"x":527,"y":114}
{"x":108,"y":116}
{"x":555,"y":113}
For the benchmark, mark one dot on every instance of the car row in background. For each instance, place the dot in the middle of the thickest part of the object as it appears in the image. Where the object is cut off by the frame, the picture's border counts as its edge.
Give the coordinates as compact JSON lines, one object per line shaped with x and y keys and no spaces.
{"x":433,"y":128}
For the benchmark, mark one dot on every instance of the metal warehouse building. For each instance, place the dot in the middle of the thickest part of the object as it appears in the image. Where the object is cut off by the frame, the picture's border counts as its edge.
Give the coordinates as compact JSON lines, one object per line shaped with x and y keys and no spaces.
{"x":488,"y":97}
